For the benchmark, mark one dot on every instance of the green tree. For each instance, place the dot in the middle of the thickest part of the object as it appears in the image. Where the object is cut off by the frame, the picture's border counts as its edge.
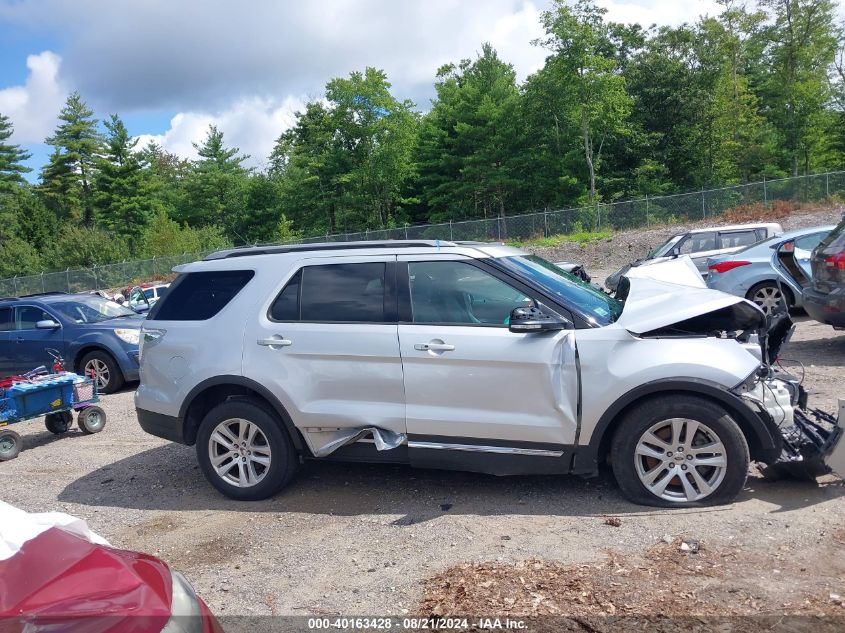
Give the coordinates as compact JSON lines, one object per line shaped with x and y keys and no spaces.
{"x":215,"y":189}
{"x":587,"y":72}
{"x":11,"y":158}
{"x":801,"y":42}
{"x":68,"y":176}
{"x":467,"y":143}
{"x":124,"y":194}
{"x":164,"y":237}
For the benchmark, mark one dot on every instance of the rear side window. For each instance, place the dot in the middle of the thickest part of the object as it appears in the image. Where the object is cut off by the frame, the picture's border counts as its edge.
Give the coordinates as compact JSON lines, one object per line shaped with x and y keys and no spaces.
{"x":334,"y":293}
{"x":199,"y":296}
{"x":736,"y":239}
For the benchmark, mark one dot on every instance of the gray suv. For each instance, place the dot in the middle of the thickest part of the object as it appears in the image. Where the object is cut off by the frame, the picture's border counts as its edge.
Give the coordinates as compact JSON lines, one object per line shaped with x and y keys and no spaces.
{"x":463,"y":356}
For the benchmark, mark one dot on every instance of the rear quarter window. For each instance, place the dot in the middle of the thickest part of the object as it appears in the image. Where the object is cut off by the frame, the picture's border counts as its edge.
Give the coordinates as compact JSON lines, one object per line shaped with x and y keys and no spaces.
{"x":200,"y":296}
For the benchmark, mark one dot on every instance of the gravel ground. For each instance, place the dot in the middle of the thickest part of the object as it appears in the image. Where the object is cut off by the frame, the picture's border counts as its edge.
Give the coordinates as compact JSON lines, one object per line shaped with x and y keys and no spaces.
{"x":362,"y":539}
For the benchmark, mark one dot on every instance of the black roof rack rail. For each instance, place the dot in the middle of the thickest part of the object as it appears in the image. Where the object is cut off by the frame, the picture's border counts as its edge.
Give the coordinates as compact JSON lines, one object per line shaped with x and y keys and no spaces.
{"x":276,"y":249}
{"x":9,"y":298}
{"x":44,"y":294}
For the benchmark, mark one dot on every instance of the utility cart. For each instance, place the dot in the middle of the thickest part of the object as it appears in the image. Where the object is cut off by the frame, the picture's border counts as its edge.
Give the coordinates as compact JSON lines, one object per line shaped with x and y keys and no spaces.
{"x":56,"y":396}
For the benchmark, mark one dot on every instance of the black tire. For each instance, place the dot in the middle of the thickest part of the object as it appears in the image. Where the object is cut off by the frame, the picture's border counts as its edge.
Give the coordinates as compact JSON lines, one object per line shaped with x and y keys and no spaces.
{"x":770,"y":286}
{"x":283,"y":459}
{"x":643,"y":417}
{"x":101,"y":358}
{"x":91,"y":420}
{"x":58,"y":423}
{"x":10,"y":445}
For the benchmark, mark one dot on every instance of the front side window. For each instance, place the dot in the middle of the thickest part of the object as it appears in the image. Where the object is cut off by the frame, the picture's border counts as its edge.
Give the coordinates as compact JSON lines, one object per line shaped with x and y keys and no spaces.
{"x":449,"y":292}
{"x":27,"y":317}
{"x":664,"y":249}
{"x":698,"y":242}
{"x":353,"y":293}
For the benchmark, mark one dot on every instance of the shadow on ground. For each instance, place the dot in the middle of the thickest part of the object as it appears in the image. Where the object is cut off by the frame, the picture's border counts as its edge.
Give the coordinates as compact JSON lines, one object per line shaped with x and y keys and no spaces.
{"x":167,"y":478}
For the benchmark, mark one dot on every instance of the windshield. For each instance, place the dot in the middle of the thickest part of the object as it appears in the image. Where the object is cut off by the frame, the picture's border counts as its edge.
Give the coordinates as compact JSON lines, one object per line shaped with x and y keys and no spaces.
{"x":91,"y":309}
{"x":598,"y":307}
{"x":663,"y":249}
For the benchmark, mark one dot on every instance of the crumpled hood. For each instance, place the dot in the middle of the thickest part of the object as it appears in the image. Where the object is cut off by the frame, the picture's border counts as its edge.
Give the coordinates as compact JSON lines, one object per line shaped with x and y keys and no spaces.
{"x":667,"y":293}
{"x":652,"y":304}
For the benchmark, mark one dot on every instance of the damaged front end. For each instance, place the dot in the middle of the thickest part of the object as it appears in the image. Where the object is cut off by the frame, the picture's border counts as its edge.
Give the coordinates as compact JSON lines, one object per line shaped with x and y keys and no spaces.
{"x":810,"y":440}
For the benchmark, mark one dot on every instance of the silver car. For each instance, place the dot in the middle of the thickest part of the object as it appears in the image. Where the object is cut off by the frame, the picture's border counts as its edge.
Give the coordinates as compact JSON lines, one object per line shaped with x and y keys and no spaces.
{"x":469,"y":357}
{"x":767,"y":272}
{"x":700,"y":245}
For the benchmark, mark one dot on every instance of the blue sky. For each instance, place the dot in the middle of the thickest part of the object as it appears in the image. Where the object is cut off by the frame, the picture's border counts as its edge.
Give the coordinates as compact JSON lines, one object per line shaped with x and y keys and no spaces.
{"x":172,"y":68}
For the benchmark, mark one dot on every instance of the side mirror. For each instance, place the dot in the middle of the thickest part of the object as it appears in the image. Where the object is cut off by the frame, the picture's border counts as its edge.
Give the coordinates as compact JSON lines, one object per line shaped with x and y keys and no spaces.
{"x":46,"y":324}
{"x":526,"y":320}
{"x":676,"y":251}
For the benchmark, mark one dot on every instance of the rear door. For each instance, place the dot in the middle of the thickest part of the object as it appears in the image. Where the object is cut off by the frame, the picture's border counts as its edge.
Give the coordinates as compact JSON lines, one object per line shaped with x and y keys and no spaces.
{"x":29,"y":344}
{"x":476,"y":393}
{"x":326,"y":344}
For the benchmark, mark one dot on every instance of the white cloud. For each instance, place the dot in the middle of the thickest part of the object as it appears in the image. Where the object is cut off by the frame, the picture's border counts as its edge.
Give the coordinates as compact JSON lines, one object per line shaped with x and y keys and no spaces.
{"x":251,"y":124}
{"x":34,"y":107}
{"x":668,"y":12}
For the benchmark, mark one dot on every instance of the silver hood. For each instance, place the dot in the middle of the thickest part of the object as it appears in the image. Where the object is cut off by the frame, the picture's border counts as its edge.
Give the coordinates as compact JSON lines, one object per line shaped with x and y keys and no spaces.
{"x":672,"y":292}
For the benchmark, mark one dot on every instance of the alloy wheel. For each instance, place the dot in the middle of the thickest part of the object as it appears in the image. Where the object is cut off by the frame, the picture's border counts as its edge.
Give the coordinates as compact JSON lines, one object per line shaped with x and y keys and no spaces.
{"x":239,"y":452}
{"x":680,"y":460}
{"x":99,"y":371}
{"x":768,"y":298}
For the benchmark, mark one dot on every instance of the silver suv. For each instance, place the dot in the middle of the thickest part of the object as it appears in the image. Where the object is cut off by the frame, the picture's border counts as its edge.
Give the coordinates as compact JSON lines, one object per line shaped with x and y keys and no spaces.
{"x":463,"y":356}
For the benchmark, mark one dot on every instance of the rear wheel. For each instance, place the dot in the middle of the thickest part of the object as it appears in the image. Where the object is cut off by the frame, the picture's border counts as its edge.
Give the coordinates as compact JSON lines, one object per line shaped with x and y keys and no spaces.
{"x":768,"y":296}
{"x":244,"y":452}
{"x":10,"y":445}
{"x":102,"y":367}
{"x":679,"y":451}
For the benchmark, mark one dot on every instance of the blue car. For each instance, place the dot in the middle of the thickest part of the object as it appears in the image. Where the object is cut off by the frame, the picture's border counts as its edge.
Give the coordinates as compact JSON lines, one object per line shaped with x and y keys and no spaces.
{"x":95,"y":336}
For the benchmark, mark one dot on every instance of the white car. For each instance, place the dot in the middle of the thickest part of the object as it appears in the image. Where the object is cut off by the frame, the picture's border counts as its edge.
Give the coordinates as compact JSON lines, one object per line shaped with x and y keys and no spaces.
{"x":471,"y":357}
{"x":141,"y":299}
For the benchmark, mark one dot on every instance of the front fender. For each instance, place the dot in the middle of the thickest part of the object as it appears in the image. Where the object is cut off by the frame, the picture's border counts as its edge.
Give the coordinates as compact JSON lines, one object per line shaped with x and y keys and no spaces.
{"x":763,"y":436}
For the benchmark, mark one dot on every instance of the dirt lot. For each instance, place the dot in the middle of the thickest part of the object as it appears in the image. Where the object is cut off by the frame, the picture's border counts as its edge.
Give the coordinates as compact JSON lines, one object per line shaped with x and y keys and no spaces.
{"x":359,"y":539}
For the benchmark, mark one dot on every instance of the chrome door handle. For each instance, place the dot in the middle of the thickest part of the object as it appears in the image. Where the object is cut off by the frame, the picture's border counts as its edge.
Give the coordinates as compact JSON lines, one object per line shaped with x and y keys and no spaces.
{"x":275,"y":342}
{"x":434,"y":347}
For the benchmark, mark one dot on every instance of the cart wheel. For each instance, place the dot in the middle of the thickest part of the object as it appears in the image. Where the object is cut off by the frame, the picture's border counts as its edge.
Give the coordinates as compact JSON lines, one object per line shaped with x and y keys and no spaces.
{"x":58,"y":423}
{"x":91,"y":420}
{"x":10,"y":445}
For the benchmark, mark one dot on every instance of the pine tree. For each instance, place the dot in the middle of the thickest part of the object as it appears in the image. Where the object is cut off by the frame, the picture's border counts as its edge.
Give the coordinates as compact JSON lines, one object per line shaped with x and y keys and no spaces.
{"x":124,"y":197}
{"x":68,"y":176}
{"x":11,"y":157}
{"x":216,"y":188}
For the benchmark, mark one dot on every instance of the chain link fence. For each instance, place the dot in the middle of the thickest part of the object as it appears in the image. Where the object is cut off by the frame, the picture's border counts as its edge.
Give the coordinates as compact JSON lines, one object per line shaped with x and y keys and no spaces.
{"x":644,"y":212}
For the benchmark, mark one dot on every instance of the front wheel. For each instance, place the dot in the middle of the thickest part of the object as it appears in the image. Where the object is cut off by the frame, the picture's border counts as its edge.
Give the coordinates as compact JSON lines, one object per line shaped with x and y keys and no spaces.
{"x":681,"y":451}
{"x":58,"y":423}
{"x":244,"y":452}
{"x":103,"y":368}
{"x":91,"y":420}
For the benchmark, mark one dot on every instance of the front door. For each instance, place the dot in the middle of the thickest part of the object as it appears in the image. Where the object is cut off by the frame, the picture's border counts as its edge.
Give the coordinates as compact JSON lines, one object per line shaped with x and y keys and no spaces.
{"x":477,"y":395}
{"x":29,"y":344}
{"x":326,"y":345}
